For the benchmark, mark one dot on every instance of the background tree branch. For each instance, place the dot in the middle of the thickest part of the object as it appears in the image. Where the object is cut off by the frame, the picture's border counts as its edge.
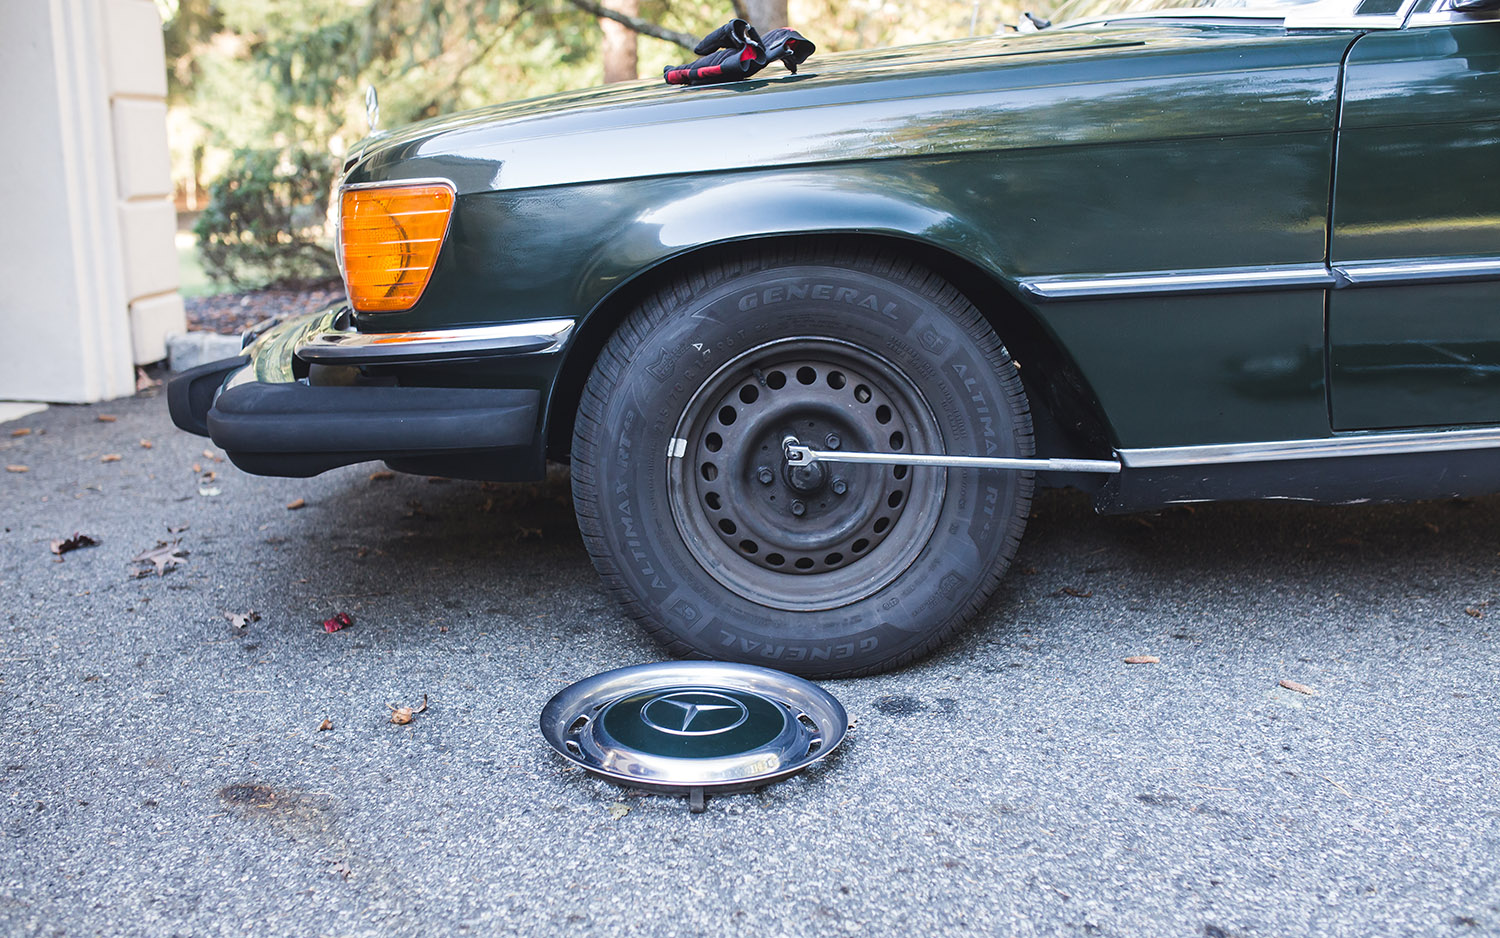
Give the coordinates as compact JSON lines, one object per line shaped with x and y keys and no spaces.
{"x":644,"y":27}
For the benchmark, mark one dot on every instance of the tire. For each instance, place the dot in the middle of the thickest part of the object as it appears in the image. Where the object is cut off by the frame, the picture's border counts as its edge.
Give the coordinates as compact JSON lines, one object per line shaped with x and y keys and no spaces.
{"x":837,"y":569}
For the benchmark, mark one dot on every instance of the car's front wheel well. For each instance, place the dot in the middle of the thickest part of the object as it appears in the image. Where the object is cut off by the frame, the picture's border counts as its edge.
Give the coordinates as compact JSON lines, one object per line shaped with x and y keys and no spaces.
{"x":1069,"y":421}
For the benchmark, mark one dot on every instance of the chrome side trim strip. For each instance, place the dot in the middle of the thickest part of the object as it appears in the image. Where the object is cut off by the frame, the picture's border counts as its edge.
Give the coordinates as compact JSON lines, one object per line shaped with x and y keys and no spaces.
{"x":1396,"y":271}
{"x":381,"y":348}
{"x":1283,"y":276}
{"x":1354,"y":444}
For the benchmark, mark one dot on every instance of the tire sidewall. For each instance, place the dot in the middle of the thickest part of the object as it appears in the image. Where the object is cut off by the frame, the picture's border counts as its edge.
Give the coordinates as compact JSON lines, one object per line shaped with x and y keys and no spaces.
{"x":960,"y":369}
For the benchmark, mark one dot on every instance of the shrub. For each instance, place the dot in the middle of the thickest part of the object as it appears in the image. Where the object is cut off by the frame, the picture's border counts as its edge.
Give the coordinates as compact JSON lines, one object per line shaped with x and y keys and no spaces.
{"x":265,"y":223}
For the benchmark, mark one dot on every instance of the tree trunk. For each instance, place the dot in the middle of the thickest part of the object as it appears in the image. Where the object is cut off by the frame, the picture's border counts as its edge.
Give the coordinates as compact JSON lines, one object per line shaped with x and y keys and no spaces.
{"x":766,"y":15}
{"x":619,"y":43}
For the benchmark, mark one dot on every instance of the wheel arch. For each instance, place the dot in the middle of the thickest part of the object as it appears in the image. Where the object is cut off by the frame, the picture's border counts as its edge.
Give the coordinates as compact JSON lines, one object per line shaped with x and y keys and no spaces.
{"x":1068,"y":417}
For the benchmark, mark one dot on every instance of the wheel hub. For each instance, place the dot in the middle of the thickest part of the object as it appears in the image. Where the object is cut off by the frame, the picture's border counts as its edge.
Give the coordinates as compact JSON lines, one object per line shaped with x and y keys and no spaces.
{"x":800,"y":536}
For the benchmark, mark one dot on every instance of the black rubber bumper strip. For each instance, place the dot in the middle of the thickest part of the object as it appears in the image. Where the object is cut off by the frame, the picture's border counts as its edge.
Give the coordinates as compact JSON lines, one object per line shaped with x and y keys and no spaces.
{"x":191,"y":394}
{"x":297,"y":430}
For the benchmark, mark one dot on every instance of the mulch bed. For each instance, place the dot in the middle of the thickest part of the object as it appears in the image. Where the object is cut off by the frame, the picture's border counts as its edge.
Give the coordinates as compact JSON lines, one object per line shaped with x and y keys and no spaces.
{"x":233,"y":313}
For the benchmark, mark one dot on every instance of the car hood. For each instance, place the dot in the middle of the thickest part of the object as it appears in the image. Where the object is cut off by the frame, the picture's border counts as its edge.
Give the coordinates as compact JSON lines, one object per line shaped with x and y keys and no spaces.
{"x":839,"y":106}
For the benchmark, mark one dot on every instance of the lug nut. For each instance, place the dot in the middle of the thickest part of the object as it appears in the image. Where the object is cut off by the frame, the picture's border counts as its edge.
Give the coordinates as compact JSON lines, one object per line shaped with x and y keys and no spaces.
{"x":840,"y":486}
{"x":798,"y":508}
{"x":832,"y":440}
{"x":765,"y":475}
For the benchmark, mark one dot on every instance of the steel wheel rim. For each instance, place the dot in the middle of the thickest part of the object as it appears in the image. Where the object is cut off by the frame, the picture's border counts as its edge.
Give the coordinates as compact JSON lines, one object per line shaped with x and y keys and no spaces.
{"x":859,"y":526}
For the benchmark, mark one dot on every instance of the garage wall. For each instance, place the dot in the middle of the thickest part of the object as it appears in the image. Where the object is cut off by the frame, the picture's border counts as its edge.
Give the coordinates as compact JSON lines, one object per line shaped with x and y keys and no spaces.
{"x":86,"y":228}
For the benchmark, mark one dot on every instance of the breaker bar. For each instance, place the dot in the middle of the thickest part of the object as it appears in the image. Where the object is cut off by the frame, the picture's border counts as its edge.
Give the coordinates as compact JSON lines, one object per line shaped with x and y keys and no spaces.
{"x":799,"y":455}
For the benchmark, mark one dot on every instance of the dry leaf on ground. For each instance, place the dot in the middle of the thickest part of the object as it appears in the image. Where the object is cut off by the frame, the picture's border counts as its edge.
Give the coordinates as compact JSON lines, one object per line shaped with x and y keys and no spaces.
{"x":1474,"y":611}
{"x":145,"y":444}
{"x":73,"y":543}
{"x":161,"y":558}
{"x":1299,"y":688}
{"x":21,"y":431}
{"x":381,"y":475}
{"x":340,"y":620}
{"x":296,"y":503}
{"x":110,"y":457}
{"x":15,"y":468}
{"x":403,"y":715}
{"x":325,"y":726}
{"x":618,"y":810}
{"x":1143,"y":659}
{"x":1074,"y":591}
{"x":106,"y":418}
{"x":241,"y":619}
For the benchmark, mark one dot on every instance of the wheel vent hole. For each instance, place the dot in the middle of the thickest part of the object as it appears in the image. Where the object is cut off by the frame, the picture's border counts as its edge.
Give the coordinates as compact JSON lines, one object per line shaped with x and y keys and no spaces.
{"x":710,"y":472}
{"x":899,"y":472}
{"x":577,"y":725}
{"x":805,"y":375}
{"x":726,"y":415}
{"x":713,"y":500}
{"x":807,"y":722}
{"x":749,"y":394}
{"x":834,"y":559}
{"x":881,"y":524}
{"x":895,"y":500}
{"x":883,"y":414}
{"x":862,"y":394}
{"x":898,"y":440}
{"x":775,"y":560}
{"x":727,"y":526}
{"x":713,"y":442}
{"x":749,"y":546}
{"x":573,"y":747}
{"x":776,"y":381}
{"x":836,"y":380}
{"x":803,"y":563}
{"x":861,"y":545}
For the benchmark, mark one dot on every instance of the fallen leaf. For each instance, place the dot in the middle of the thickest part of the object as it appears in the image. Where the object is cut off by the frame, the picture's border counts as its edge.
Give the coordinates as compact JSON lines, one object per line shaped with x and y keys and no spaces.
{"x":340,"y":868}
{"x":209,"y":454}
{"x":73,"y":543}
{"x":1299,"y":688}
{"x":325,"y":726}
{"x":197,"y":467}
{"x":380,"y":475}
{"x":106,"y":418}
{"x":209,"y":491}
{"x":17,"y":468}
{"x":403,"y":715}
{"x":21,"y":431}
{"x":1143,"y":659}
{"x":296,"y":503}
{"x":161,"y":558}
{"x":241,"y":619}
{"x":144,"y":381}
{"x":341,"y":620}
{"x":110,"y":457}
{"x":618,"y":810}
{"x":1475,"y":612}
{"x":209,"y":476}
{"x":145,"y":444}
{"x":1071,"y":591}
{"x":176,"y":529}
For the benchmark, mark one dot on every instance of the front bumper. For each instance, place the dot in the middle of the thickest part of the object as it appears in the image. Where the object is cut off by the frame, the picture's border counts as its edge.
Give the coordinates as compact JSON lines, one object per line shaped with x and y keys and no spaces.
{"x":270,"y":421}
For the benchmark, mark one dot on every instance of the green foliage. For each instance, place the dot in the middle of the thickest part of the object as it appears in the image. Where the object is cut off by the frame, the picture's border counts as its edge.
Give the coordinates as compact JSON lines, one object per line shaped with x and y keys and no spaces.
{"x":265,"y":220}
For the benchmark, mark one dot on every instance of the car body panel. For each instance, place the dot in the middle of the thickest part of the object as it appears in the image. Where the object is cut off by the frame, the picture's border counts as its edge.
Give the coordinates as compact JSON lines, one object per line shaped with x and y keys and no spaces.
{"x":1418,"y":181}
{"x":1112,"y":151}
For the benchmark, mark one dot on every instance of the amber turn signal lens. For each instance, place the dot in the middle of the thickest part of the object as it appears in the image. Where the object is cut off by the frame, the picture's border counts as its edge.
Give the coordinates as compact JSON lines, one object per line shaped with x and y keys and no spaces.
{"x":389,"y":238}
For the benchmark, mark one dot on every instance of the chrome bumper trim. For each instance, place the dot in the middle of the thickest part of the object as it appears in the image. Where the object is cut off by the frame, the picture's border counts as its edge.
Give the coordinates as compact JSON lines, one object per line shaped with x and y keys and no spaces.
{"x":1358,"y":444}
{"x":348,"y":347}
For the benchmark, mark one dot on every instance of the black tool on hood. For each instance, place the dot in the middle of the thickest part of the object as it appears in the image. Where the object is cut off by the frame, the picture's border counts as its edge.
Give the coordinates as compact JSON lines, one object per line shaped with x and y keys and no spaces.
{"x":735,"y":51}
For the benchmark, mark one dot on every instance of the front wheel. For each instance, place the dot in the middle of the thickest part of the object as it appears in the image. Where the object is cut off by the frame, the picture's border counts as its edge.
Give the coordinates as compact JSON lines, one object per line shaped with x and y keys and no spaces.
{"x":717,"y":546}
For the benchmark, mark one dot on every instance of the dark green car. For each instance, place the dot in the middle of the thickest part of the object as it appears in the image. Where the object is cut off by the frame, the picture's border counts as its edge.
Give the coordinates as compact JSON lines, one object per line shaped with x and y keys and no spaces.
{"x":1165,"y":255}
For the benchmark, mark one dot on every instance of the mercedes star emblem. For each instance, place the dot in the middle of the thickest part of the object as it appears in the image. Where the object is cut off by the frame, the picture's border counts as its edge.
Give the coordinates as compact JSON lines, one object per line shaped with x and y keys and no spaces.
{"x":694,"y":713}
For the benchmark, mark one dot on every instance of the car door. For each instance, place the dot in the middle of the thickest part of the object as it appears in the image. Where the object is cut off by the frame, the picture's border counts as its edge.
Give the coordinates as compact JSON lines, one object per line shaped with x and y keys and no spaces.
{"x":1414,"y":329}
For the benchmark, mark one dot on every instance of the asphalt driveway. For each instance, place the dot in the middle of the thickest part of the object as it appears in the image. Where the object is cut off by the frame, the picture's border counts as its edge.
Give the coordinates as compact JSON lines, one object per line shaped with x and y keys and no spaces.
{"x":164,"y":771}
